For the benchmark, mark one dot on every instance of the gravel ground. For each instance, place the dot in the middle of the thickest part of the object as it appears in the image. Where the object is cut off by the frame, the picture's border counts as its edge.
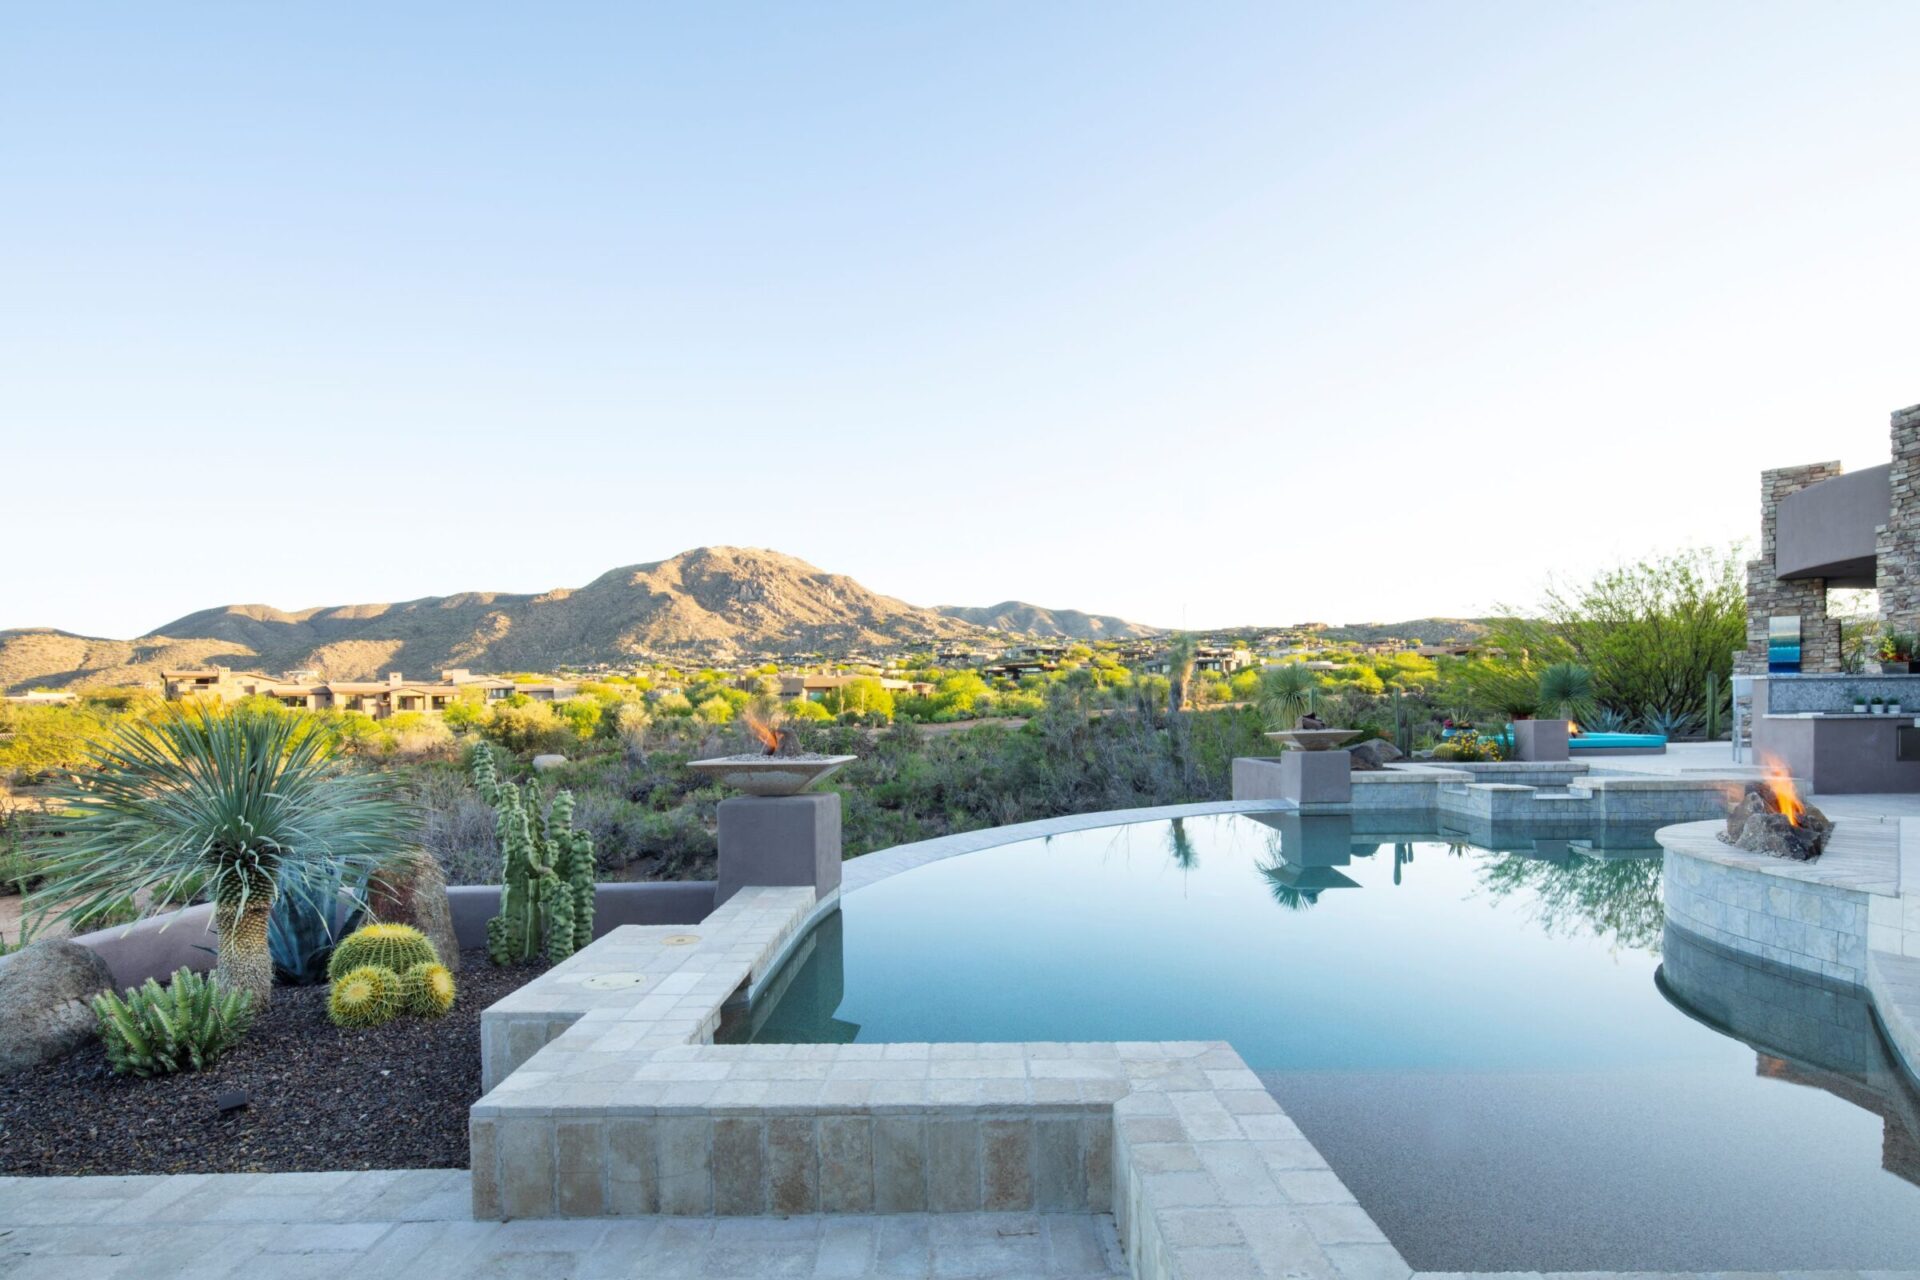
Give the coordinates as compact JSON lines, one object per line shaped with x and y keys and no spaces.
{"x":319,"y":1097}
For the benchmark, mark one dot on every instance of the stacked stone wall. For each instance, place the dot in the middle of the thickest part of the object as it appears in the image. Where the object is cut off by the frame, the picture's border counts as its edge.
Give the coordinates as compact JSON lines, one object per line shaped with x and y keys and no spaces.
{"x":1768,"y":596}
{"x":1897,"y":546}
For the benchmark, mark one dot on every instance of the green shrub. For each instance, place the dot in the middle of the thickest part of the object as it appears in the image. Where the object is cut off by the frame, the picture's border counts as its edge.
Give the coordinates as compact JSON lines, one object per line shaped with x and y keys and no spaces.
{"x":184,"y":1026}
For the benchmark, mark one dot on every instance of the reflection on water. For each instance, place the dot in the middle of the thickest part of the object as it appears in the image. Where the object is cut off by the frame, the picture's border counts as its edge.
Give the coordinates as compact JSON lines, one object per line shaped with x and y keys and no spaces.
{"x":1613,"y":898}
{"x":1803,"y":1029}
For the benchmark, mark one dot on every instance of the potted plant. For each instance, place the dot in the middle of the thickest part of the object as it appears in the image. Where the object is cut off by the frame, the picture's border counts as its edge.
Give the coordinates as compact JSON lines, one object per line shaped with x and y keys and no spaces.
{"x":1896,"y":652}
{"x":1860,"y":704}
{"x":1893,"y":706}
{"x":1876,"y":706}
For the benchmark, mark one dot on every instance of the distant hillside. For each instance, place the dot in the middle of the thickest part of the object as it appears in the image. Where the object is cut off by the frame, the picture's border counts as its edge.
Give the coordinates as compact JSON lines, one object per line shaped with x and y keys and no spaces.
{"x":710,"y":604}
{"x":1021,"y":618}
{"x":1425,"y":630}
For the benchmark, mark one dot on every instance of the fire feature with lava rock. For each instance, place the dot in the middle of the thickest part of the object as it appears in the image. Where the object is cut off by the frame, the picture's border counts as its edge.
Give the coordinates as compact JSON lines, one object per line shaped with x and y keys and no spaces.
{"x":778,"y":769}
{"x":1771,"y":818}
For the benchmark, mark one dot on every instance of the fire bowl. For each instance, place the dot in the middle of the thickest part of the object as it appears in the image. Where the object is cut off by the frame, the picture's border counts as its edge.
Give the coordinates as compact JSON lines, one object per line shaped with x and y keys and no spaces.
{"x":1313,"y":739}
{"x":1773,"y":820}
{"x":765,"y":775}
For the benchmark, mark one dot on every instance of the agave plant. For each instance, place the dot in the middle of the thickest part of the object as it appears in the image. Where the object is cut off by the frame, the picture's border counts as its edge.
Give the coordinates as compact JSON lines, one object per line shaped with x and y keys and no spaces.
{"x":1672,"y":722}
{"x":1566,"y":690}
{"x":234,"y":804}
{"x":1603,"y":719}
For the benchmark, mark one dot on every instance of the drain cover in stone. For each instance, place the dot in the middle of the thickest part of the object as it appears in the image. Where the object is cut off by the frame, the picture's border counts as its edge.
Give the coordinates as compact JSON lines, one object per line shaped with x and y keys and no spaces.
{"x":680,"y":940}
{"x":613,"y":981}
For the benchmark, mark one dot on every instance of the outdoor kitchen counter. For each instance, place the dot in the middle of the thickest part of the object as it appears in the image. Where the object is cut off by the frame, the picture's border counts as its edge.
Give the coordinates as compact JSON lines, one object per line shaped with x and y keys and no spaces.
{"x":1839,"y":752}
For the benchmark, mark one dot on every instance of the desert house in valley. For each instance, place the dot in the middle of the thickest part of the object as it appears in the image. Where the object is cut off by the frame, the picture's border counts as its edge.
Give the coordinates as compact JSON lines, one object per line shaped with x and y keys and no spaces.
{"x":377,"y":698}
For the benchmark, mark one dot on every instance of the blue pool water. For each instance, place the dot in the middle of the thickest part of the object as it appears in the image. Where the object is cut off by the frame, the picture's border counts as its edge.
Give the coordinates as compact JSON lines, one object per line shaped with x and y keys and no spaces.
{"x":1505,"y":1053}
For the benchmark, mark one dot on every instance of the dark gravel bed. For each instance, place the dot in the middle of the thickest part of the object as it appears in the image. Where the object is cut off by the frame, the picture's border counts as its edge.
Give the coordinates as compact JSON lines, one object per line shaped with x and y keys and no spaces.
{"x":319,"y":1097}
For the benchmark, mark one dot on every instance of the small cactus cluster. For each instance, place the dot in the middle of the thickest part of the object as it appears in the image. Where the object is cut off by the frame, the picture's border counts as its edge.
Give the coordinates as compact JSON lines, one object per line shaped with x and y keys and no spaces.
{"x":546,"y":883}
{"x":380,"y":971}
{"x":152,"y":1030}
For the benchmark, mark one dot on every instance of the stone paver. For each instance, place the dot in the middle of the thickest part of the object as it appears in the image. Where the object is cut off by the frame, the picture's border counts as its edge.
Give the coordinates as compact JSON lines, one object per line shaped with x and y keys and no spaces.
{"x":416,"y":1223}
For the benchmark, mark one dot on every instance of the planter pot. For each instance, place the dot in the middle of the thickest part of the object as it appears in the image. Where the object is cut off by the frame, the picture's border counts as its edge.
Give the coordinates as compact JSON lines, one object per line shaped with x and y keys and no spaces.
{"x":1859,"y":708}
{"x":1903,"y":667}
{"x":1893,"y":709}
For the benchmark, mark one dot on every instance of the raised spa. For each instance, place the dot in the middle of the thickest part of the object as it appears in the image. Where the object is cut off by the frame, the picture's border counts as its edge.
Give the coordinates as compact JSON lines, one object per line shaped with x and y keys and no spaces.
{"x":1505,"y":1053}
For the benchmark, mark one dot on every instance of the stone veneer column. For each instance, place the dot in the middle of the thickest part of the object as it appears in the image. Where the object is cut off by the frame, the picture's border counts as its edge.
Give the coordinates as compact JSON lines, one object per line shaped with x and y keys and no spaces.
{"x":1897,"y":546}
{"x":1769,"y":596}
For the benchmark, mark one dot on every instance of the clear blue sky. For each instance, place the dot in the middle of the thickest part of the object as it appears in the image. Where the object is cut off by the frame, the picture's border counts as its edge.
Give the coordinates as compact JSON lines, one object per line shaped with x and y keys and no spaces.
{"x":1198,"y":314}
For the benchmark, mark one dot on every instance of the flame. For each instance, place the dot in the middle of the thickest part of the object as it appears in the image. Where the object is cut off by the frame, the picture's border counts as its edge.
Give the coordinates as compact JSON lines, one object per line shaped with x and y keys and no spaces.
{"x":1785,"y":794}
{"x":1573,"y":728}
{"x":762,"y":731}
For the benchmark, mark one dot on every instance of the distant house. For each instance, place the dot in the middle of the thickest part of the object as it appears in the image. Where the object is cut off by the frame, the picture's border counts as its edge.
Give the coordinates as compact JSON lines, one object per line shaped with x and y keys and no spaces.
{"x":41,"y":697}
{"x":376,"y":698}
{"x":815,"y":688}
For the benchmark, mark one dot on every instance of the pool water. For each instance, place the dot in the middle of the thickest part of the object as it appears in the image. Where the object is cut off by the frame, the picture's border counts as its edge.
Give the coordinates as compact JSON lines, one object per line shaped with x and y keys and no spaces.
{"x":1505,"y":1053}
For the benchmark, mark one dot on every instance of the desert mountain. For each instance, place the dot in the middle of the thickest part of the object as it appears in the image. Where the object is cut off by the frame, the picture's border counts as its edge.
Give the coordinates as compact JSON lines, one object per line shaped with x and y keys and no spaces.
{"x":710,"y":603}
{"x":1021,"y":618}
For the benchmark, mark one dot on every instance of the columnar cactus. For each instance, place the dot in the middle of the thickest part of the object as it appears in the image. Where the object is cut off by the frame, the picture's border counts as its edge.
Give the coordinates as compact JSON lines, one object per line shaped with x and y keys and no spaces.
{"x":573,"y":862}
{"x":546,"y":882}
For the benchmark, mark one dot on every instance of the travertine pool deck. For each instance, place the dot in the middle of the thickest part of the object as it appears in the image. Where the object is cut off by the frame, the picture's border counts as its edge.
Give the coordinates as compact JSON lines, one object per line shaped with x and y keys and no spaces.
{"x":319,"y":1226}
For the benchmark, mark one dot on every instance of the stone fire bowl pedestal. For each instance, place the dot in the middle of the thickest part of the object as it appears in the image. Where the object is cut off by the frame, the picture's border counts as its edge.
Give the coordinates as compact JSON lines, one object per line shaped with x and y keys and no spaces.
{"x":765,"y":775}
{"x":778,"y":840}
{"x":1313,"y":739}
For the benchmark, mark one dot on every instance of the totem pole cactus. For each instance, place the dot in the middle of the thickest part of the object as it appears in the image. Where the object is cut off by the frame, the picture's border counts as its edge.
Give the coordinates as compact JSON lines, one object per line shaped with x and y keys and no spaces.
{"x":546,"y":885}
{"x":573,"y":861}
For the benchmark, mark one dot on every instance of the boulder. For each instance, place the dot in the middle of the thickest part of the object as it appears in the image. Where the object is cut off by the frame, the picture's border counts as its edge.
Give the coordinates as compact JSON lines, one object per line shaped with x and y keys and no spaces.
{"x":1375,"y":753}
{"x":550,"y":761}
{"x":413,"y":890}
{"x":44,"y":993}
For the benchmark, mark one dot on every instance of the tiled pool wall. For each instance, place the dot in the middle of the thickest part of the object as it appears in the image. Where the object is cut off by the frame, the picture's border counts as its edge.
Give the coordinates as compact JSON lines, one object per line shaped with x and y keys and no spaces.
{"x":1816,"y":927}
{"x":1522,"y":792}
{"x":1852,"y":916}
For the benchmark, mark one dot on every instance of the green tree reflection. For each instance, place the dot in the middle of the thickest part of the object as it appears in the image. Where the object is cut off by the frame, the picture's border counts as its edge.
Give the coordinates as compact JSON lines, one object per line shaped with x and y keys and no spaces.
{"x":1613,"y":899}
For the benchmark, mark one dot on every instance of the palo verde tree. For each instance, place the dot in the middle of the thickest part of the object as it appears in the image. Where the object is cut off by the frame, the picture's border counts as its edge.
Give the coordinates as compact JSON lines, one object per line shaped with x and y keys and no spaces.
{"x":1649,"y":632}
{"x":230,"y":803}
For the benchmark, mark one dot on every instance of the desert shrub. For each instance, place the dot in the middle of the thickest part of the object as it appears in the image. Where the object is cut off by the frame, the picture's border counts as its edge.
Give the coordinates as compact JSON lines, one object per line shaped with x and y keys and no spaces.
{"x":528,"y":727}
{"x":457,"y":826}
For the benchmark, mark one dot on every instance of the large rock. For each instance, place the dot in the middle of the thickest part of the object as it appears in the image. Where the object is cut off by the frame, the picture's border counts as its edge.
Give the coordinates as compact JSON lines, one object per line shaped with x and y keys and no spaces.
{"x":413,"y":890}
{"x":44,"y":994}
{"x":1375,"y":753}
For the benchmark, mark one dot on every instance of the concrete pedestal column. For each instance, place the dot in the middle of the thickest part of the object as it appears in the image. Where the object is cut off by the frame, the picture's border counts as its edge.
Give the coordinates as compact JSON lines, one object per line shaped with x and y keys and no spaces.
{"x":1540,"y":739}
{"x":779,"y":840}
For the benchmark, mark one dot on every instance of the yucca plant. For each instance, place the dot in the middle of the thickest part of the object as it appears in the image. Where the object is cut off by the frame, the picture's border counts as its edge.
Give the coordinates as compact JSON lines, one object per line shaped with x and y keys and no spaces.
{"x":1285,"y":692}
{"x":1566,"y":691}
{"x":154,"y":1031}
{"x":232,"y":803}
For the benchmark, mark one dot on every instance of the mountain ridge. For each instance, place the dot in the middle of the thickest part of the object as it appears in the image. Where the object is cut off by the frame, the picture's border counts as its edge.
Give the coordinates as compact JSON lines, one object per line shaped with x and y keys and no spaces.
{"x":718,"y":603}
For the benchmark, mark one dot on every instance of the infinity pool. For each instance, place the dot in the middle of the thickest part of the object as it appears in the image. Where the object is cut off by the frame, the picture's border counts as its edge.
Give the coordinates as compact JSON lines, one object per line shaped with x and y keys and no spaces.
{"x":1505,"y":1053}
